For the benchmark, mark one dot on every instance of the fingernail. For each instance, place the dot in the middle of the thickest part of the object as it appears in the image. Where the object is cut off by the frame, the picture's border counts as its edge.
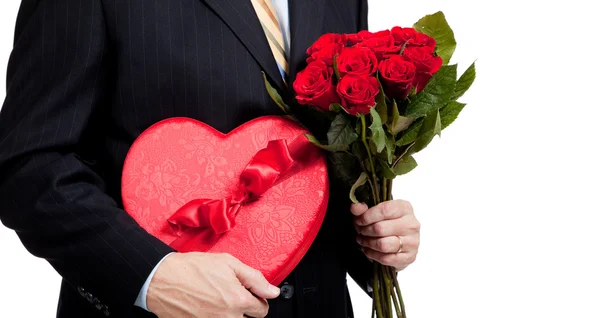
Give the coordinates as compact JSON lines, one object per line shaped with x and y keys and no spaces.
{"x":359,"y":240}
{"x":274,"y":289}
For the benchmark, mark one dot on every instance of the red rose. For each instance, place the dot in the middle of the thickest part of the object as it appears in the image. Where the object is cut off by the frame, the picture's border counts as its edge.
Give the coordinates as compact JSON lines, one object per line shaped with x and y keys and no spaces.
{"x":381,"y":43}
{"x":378,"y":34}
{"x":355,"y":38}
{"x":325,"y":48}
{"x":352,"y":39}
{"x":411,"y":37}
{"x":313,"y":86}
{"x":326,"y":54}
{"x":424,"y":59}
{"x":426,"y":63}
{"x":357,"y":61}
{"x":358,"y":93}
{"x":325,"y":40}
{"x":397,"y":76}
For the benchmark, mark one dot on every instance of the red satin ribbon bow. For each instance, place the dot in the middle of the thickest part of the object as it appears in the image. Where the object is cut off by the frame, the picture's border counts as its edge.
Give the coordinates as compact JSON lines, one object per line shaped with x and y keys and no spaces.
{"x":201,"y":222}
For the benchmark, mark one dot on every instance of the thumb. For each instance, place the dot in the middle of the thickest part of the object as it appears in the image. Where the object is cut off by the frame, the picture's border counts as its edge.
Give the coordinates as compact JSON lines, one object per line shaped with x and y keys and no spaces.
{"x":254,"y":281}
{"x":359,"y":209}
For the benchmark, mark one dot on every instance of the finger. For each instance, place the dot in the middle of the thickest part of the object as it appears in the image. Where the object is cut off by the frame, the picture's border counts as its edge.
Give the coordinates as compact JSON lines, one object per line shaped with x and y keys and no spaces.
{"x":254,"y":280}
{"x":387,"y":210}
{"x":256,"y":307}
{"x":380,"y":229}
{"x":389,"y":244}
{"x":397,"y":260}
{"x":405,"y":226}
{"x":358,"y":209}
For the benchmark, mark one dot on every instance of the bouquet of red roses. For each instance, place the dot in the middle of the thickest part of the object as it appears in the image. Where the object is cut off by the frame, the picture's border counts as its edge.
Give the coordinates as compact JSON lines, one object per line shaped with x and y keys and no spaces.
{"x":384,"y":95}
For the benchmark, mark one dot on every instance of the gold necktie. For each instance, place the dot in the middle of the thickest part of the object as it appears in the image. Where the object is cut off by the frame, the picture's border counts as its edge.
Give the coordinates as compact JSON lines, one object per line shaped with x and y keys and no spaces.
{"x":268,"y":19}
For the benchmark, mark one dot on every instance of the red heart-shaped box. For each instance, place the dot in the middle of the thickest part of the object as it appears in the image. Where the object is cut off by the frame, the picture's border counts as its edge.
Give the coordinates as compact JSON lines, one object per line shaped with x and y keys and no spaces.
{"x":179,"y":160}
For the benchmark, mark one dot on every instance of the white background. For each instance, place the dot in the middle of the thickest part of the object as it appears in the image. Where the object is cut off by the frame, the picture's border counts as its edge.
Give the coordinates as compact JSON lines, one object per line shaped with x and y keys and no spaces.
{"x":508,"y":197}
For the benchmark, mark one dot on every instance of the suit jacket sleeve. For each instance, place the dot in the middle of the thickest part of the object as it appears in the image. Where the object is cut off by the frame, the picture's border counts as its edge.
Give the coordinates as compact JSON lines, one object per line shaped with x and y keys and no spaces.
{"x":56,"y":81}
{"x":363,"y":16}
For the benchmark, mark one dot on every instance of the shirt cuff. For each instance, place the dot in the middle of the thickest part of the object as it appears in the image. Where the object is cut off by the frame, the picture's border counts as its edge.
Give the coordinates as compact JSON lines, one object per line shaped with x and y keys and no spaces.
{"x":141,"y":299}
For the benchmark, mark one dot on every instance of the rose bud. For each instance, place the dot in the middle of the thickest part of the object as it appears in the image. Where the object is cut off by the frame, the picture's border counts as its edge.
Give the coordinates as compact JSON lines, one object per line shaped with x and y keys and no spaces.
{"x":314,"y":86}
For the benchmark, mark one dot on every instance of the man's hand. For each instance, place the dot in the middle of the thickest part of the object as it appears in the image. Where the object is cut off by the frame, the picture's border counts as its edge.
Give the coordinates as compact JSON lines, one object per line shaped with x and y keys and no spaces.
{"x":388,"y":232}
{"x":208,"y":285}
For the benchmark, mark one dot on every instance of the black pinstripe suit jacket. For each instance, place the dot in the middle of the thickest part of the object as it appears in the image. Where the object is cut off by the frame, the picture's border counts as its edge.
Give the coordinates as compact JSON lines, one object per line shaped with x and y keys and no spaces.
{"x":86,"y":77}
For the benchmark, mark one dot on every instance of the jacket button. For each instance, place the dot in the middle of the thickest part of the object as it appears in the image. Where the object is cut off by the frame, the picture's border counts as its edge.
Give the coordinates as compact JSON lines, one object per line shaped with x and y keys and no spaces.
{"x":287,"y":291}
{"x":97,"y":303}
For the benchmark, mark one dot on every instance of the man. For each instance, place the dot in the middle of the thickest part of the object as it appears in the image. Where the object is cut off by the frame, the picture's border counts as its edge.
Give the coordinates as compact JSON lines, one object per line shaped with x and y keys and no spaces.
{"x":86,"y":77}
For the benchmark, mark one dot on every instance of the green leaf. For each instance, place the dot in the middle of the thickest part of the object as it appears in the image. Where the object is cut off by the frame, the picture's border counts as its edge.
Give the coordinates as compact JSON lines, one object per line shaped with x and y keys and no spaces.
{"x":377,"y":133}
{"x":340,"y":132}
{"x":381,"y":105}
{"x":436,"y":26}
{"x":359,"y":151}
{"x":401,"y":166}
{"x":464,"y":82}
{"x":345,"y":168}
{"x":362,"y":179}
{"x":336,"y":108}
{"x":331,"y":148}
{"x":386,"y":170}
{"x":390,"y":147}
{"x":410,"y":134}
{"x":435,"y":95}
{"x":449,"y":113}
{"x":336,"y":71}
{"x":275,"y":95}
{"x":399,"y":123}
{"x":404,"y":165}
{"x":432,"y":125}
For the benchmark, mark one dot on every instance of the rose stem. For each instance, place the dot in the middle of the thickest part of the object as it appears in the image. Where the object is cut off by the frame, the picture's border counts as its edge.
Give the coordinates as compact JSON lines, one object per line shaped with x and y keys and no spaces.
{"x":384,"y":272}
{"x":364,"y":140}
{"x":385,"y":191}
{"x":373,"y":309}
{"x":387,"y":195}
{"x":376,"y":291}
{"x":392,"y":270}
{"x":399,"y":297}
{"x":388,"y":289}
{"x":398,"y":312}
{"x":384,"y":297}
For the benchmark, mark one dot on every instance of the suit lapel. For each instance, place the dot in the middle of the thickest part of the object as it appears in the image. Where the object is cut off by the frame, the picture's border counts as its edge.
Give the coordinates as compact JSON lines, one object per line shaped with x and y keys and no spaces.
{"x":306,"y":20}
{"x":240,"y":17}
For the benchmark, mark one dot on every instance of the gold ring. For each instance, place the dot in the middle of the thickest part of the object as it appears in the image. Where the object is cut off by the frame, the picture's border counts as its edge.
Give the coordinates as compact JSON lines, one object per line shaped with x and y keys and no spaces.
{"x":401,"y":245}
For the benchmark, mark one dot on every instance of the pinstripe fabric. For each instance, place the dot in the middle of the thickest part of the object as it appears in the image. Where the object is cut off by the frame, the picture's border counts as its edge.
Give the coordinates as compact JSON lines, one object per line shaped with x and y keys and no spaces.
{"x":86,"y":77}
